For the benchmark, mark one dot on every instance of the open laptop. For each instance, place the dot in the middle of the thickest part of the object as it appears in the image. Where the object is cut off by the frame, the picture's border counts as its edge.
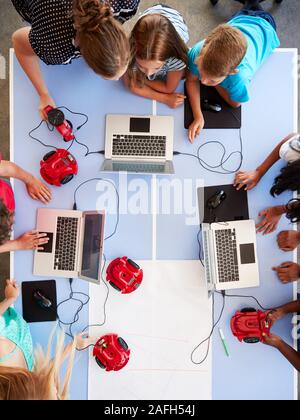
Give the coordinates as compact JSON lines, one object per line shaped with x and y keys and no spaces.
{"x":75,"y":247}
{"x":142,"y":145}
{"x":230,"y":255}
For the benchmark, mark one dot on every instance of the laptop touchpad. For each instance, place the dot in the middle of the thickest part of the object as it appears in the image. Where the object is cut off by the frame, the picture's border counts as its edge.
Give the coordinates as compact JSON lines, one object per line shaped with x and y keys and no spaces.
{"x":49,"y":246}
{"x":247,"y":254}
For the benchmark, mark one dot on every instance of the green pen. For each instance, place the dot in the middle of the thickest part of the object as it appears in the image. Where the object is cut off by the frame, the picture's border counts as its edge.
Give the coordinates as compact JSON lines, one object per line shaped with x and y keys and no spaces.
{"x":224,"y":342}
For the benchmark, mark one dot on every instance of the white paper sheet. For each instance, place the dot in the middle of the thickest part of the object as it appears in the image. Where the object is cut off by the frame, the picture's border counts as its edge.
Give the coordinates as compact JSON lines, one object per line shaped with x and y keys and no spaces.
{"x":162,"y":322}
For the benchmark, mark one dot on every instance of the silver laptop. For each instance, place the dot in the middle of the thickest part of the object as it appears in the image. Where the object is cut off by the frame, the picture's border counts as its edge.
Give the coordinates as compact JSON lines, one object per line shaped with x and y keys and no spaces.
{"x":230,"y":255}
{"x":142,"y":145}
{"x":75,"y":247}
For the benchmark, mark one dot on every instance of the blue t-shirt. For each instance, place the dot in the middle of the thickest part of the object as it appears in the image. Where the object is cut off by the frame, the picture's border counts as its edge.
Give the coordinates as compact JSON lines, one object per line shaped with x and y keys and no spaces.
{"x":262,"y":39}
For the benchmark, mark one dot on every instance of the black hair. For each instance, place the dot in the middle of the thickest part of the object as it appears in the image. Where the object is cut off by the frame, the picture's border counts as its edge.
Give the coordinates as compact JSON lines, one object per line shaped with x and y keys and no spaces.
{"x":293,"y":210}
{"x":5,"y":223}
{"x":288,"y":180}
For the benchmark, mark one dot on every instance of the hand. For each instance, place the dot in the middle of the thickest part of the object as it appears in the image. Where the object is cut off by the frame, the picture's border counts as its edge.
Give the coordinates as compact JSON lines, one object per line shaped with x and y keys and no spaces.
{"x":12,"y":291}
{"x":288,"y":272}
{"x":174,"y":100}
{"x":45,"y":100}
{"x":32,"y":240}
{"x":288,"y":240}
{"x":84,"y":341}
{"x":271,"y":218}
{"x":276,"y":315}
{"x":249,"y":180}
{"x":38,"y":190}
{"x":195,"y":129}
{"x":272,"y":340}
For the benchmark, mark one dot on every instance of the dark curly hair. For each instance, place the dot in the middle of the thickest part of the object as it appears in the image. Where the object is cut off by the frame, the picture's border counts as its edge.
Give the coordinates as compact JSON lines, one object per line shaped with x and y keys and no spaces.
{"x":288,"y":180}
{"x":293,"y":210}
{"x":5,"y":223}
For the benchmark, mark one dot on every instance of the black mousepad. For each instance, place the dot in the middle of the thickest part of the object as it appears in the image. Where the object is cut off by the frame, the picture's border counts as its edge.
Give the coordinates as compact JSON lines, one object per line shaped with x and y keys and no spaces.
{"x":227,"y":118}
{"x":233,"y":208}
{"x":32,"y":312}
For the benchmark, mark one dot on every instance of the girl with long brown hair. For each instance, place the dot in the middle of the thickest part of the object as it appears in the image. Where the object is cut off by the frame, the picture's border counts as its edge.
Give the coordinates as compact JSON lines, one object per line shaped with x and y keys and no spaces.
{"x":159,"y":55}
{"x":62,"y":30}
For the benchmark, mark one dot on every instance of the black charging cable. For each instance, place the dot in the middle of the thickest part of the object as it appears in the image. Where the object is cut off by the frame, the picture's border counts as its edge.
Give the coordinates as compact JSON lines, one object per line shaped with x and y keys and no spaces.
{"x":78,"y":296}
{"x":208,"y":339}
{"x":52,"y":128}
{"x":219,"y":168}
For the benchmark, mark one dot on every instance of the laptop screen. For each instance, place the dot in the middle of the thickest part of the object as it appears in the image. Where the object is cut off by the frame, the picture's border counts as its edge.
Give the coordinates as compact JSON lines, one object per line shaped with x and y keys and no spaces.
{"x":92,"y":246}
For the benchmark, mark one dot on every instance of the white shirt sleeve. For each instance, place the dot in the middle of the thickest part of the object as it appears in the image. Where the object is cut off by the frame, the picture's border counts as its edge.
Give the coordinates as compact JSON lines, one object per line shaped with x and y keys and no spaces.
{"x":290,"y":150}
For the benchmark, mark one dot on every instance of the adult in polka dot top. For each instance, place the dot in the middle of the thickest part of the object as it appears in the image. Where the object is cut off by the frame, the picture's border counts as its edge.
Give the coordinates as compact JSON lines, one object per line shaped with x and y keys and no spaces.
{"x":62,"y":30}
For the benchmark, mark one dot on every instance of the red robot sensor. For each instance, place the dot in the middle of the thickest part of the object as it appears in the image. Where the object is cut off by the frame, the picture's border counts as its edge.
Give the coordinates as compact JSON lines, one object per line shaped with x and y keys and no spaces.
{"x":124,"y":275}
{"x":111,"y":353}
{"x":250,"y":325}
{"x":58,"y":167}
{"x":57,"y":118}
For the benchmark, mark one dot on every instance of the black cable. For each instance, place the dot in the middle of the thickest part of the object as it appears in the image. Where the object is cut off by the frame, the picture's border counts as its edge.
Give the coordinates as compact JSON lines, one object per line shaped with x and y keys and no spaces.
{"x":76,"y":317}
{"x":213,"y":168}
{"x":200,"y":247}
{"x":118,"y":201}
{"x":247,"y":297}
{"x":39,"y":141}
{"x":208,"y":339}
{"x":76,"y":113}
{"x":82,"y":303}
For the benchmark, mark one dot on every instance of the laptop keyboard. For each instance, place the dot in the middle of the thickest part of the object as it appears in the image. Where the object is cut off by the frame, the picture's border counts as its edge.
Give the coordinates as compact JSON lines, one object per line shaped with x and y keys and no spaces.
{"x":66,"y":241}
{"x":139,"y":146}
{"x":227,"y":257}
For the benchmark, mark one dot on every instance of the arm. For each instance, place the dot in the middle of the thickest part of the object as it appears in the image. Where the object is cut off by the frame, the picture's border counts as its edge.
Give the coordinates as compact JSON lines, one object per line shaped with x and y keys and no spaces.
{"x":225,"y":95}
{"x":29,"y":62}
{"x":291,"y":308}
{"x":173,"y":100}
{"x":11,"y":295}
{"x":7,"y":303}
{"x":168,"y":86}
{"x":273,"y":157}
{"x":36,"y":189}
{"x":194,"y":94}
{"x":29,"y":241}
{"x":250,"y":179}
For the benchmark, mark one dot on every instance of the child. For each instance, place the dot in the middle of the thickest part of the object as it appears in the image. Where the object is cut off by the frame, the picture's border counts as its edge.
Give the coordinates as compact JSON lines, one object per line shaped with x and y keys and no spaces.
{"x":159,"y":55}
{"x":289,"y":271}
{"x":287,"y":351}
{"x":289,"y":179}
{"x":36,"y":190}
{"x":229,"y":58}
{"x":22,"y":377}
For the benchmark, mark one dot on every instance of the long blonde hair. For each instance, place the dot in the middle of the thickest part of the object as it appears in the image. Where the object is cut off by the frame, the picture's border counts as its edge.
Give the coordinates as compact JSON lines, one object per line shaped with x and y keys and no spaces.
{"x":43,"y":384}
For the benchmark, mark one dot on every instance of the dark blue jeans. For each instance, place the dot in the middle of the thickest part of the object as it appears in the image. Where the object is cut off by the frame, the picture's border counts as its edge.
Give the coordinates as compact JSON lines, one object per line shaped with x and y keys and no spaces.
{"x":258,"y":13}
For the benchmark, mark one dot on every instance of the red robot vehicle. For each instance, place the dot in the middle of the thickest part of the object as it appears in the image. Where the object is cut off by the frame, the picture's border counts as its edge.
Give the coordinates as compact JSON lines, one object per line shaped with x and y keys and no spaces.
{"x":111,"y":353}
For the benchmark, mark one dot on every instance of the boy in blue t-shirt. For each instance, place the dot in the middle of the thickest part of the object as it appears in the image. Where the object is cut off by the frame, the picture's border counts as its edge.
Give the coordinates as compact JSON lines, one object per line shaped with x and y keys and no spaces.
{"x":229,"y":58}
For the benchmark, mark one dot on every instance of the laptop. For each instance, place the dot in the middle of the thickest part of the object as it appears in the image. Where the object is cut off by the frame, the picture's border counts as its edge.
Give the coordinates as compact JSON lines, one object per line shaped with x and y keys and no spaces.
{"x":142,"y":145}
{"x":75,"y":247}
{"x":230,"y":255}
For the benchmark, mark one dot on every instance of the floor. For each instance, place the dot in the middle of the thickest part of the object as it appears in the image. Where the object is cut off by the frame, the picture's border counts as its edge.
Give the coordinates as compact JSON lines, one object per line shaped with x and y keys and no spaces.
{"x":199,"y":14}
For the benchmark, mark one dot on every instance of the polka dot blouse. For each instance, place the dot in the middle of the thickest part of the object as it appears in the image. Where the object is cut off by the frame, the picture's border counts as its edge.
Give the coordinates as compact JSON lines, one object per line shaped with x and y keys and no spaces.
{"x":52,"y":32}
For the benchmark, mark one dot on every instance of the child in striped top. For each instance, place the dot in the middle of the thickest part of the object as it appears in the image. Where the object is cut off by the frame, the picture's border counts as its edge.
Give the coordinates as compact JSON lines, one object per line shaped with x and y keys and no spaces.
{"x":159,"y":55}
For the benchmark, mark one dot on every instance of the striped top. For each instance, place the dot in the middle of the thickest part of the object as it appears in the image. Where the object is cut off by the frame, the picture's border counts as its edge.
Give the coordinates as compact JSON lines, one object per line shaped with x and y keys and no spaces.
{"x":173,"y":63}
{"x":52,"y":34}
